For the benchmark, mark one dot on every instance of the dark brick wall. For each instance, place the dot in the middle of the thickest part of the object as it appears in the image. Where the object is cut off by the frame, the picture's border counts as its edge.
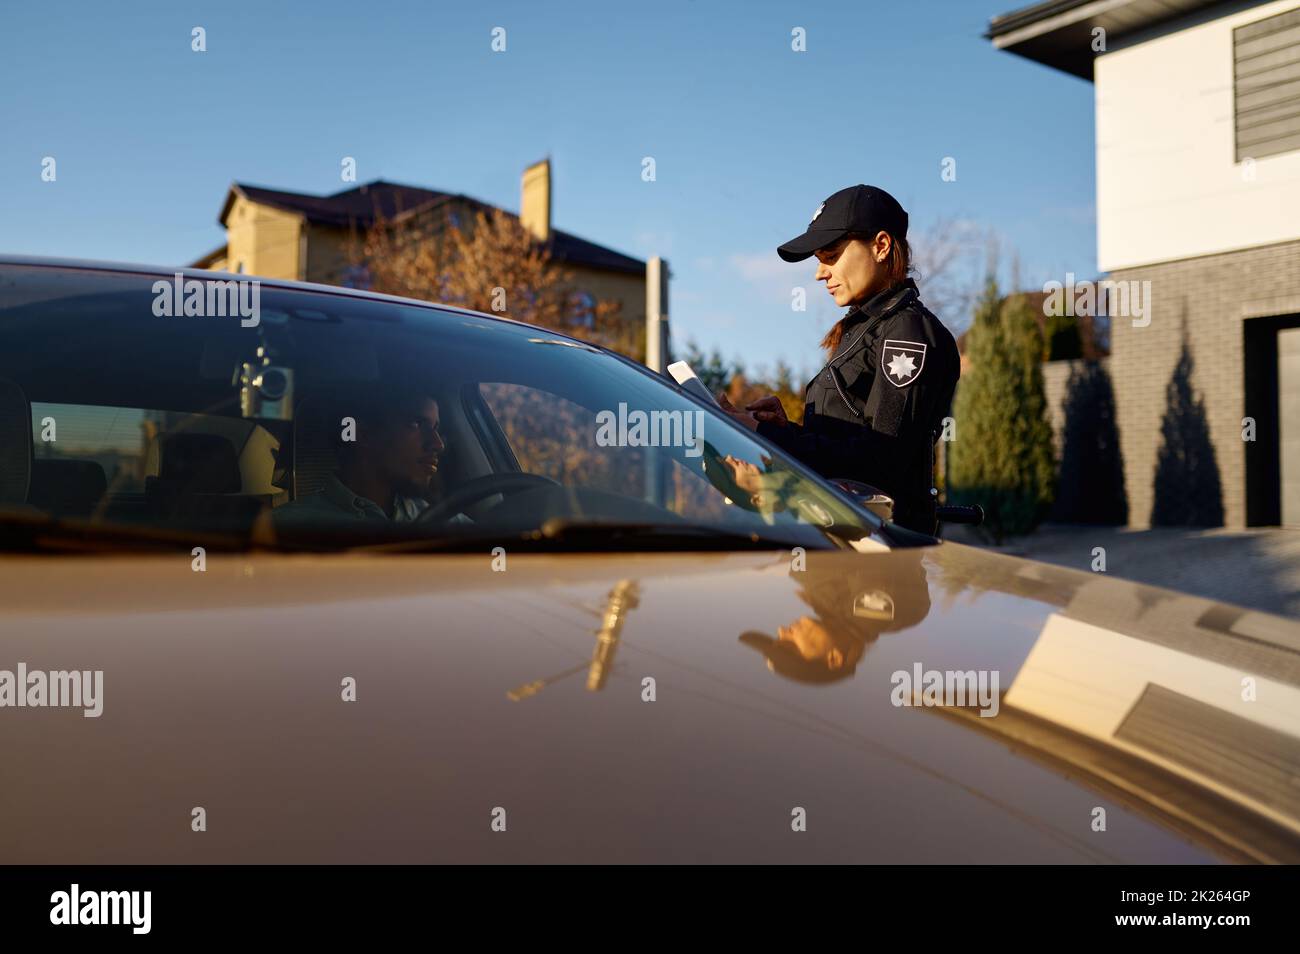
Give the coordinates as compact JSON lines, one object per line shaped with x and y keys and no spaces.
{"x":1203,"y":301}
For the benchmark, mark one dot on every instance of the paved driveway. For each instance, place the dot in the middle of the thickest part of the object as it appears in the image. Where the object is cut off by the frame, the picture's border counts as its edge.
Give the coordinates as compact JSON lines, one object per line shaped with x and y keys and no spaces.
{"x":1258,"y":569}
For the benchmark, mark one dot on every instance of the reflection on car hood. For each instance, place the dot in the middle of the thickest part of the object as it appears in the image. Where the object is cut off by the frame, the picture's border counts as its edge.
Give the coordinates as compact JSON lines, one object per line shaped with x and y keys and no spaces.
{"x":653,"y":707}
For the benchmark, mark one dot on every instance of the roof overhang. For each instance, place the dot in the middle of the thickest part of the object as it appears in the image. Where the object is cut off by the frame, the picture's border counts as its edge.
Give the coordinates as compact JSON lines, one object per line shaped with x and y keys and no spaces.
{"x":205,"y":261}
{"x":232,"y":194}
{"x":1059,"y":33}
{"x":235,"y":192}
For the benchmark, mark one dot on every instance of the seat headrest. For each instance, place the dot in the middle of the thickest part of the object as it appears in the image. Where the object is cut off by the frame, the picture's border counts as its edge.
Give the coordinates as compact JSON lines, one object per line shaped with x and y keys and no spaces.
{"x":15,"y":444}
{"x":200,"y":464}
{"x":315,"y":456}
{"x":67,"y":486}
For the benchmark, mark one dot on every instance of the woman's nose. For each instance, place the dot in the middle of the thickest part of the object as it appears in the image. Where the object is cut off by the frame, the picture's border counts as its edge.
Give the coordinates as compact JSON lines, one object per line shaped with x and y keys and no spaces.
{"x":823,"y":272}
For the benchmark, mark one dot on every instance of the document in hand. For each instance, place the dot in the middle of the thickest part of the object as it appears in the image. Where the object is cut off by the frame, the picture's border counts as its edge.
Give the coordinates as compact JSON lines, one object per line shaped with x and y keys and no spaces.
{"x":685,"y":376}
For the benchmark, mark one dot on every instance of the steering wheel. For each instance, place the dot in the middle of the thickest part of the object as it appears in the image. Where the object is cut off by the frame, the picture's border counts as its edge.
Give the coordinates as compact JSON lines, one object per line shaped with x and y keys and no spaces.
{"x":480,"y":488}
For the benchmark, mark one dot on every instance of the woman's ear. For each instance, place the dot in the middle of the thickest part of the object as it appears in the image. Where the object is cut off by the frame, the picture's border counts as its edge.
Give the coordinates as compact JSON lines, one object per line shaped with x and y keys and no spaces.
{"x":880,"y":248}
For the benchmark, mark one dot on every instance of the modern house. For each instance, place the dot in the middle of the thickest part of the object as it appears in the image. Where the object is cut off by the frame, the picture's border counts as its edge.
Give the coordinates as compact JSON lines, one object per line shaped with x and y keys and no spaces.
{"x":278,"y":234}
{"x":1198,"y":193}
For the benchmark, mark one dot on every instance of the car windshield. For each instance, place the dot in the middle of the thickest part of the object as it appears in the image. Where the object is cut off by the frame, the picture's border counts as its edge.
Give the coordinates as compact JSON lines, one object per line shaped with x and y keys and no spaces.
{"x":137,"y":406}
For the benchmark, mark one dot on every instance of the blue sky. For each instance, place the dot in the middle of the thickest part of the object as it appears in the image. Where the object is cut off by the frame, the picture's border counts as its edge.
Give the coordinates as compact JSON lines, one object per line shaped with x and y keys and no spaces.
{"x":747,"y":135}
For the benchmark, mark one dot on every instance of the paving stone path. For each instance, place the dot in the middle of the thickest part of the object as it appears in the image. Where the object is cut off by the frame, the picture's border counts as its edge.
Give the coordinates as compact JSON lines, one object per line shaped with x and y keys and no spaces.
{"x":1257,"y":568}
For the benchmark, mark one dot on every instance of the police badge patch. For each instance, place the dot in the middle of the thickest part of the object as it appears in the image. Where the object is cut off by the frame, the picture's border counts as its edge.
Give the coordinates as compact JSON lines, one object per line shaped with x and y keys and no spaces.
{"x":874,"y":604}
{"x":901,"y":361}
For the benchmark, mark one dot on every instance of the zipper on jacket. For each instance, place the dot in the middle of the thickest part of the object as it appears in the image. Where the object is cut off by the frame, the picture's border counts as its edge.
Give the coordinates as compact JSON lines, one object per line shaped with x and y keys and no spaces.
{"x":835,"y":380}
{"x":829,"y":368}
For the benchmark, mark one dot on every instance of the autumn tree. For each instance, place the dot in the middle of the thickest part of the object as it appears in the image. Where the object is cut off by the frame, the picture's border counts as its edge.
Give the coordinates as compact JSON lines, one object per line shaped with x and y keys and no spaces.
{"x":487,"y":261}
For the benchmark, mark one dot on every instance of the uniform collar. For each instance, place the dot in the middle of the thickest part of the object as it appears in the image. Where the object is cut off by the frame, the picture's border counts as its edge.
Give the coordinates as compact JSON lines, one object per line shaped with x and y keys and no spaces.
{"x":883,"y":302}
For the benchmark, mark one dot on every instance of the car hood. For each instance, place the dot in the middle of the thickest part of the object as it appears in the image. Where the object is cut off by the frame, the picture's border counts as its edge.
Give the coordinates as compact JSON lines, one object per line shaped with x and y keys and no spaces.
{"x":656,"y":707}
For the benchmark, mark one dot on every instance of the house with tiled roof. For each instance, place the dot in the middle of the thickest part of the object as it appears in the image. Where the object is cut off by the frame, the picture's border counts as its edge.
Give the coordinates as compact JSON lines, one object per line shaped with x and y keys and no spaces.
{"x":276,"y":233}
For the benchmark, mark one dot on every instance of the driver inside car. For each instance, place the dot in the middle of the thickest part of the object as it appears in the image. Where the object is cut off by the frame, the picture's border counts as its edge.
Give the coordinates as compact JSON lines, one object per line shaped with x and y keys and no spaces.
{"x":388,"y":448}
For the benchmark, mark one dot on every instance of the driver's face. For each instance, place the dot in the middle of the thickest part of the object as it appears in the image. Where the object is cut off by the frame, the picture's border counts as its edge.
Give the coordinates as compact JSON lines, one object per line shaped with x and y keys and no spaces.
{"x":408,"y":448}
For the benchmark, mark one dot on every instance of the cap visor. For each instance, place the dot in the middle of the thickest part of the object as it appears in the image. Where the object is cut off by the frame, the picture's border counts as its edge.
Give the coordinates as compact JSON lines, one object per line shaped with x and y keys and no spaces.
{"x":797,"y":249}
{"x":760,"y":641}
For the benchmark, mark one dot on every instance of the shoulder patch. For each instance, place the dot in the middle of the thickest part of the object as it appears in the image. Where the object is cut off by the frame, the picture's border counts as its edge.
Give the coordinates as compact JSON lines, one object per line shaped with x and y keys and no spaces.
{"x":901,"y":361}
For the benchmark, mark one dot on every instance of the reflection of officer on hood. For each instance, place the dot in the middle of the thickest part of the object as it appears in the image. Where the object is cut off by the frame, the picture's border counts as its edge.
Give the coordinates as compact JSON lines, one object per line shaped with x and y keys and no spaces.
{"x":853,"y":603}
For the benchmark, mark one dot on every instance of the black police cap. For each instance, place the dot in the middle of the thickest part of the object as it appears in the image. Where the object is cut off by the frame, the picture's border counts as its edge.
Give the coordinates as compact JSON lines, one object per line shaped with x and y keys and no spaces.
{"x":859,"y":208}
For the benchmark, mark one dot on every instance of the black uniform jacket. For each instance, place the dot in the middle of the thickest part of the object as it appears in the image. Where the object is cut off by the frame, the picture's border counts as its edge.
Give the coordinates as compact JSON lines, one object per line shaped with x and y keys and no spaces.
{"x":874,"y":411}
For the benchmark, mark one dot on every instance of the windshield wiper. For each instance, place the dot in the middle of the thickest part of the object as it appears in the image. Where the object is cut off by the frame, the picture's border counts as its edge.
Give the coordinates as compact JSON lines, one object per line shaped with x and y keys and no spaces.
{"x":561,"y":534}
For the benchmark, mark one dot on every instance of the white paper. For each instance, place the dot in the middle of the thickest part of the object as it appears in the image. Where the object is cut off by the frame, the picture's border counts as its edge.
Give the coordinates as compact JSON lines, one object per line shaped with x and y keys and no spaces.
{"x":684,"y":375}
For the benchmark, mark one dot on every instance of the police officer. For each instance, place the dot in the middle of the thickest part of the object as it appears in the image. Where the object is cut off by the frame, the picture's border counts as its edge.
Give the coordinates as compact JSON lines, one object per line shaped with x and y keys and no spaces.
{"x":874,"y":411}
{"x":853,"y":604}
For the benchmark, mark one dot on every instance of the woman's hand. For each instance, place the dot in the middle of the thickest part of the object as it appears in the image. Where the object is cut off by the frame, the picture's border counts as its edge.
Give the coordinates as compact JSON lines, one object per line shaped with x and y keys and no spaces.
{"x":735,"y":413}
{"x":769,"y":410}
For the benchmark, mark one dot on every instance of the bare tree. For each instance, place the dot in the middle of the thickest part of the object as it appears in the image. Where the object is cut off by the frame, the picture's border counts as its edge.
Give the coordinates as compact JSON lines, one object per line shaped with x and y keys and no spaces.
{"x":952,"y":259}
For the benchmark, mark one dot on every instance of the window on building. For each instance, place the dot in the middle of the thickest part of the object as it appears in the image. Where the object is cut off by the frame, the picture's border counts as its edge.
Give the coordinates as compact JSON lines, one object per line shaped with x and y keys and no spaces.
{"x":1266,"y":86}
{"x":585,"y":312}
{"x":355,"y":276}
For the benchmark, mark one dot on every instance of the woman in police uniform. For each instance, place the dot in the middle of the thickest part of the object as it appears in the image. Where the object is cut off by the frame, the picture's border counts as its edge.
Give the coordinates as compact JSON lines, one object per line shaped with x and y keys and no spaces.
{"x":873,"y":412}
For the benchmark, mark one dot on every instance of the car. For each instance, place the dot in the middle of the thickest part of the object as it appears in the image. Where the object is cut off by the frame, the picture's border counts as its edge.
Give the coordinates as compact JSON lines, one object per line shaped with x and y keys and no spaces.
{"x":591,"y":619}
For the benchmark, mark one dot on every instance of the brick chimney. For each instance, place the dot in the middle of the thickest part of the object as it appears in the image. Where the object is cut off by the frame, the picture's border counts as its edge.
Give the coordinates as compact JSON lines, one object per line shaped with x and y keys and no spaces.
{"x":535,"y":199}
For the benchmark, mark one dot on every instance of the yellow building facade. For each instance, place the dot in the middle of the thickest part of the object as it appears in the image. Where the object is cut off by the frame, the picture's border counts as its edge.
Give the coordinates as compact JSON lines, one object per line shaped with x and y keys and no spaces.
{"x":273,"y":233}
